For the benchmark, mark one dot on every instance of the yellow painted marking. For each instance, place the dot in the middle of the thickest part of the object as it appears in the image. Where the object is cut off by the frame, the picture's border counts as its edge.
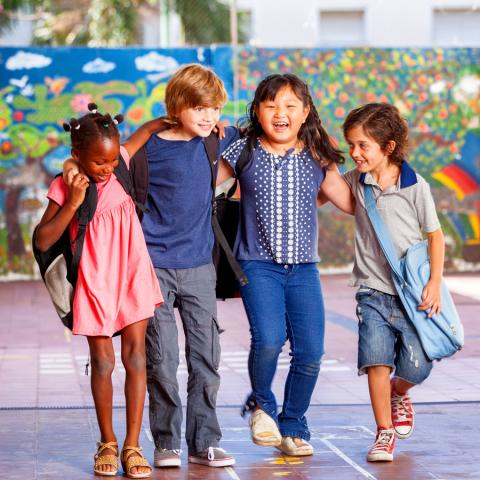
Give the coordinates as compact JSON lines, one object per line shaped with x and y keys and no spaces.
{"x":281,"y":474}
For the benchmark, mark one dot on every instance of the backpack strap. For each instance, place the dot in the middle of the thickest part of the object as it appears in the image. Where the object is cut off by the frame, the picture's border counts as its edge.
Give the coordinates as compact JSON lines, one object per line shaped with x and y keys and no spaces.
{"x":135,"y":180}
{"x":84,"y":214}
{"x":211,"y":146}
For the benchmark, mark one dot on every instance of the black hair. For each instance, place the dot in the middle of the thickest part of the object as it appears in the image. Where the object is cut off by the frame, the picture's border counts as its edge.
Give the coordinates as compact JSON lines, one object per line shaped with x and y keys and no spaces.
{"x":382,"y":122}
{"x":91,"y":127}
{"x":312,"y":133}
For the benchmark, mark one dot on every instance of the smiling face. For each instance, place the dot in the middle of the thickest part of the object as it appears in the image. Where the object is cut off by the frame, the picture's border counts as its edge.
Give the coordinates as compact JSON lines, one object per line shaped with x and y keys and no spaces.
{"x":282,"y":117}
{"x":99,"y":159}
{"x":198,"y":121}
{"x":366,"y":152}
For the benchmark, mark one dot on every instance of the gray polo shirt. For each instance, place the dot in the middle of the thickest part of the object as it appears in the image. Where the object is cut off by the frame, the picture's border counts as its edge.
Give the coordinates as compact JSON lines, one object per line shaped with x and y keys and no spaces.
{"x":407,"y":209}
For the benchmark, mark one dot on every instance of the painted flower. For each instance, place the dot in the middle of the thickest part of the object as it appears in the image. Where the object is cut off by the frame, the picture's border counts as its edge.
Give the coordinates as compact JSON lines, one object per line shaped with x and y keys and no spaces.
{"x":18,"y":116}
{"x":80,"y":102}
{"x":339,"y":112}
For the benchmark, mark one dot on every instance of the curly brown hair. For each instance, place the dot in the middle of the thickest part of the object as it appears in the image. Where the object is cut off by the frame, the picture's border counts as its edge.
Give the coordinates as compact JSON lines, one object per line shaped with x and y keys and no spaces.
{"x":383,"y":123}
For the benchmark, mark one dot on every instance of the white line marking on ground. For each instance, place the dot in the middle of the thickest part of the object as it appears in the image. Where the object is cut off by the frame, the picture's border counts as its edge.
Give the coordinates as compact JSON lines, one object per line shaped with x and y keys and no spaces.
{"x":232,"y":473}
{"x":347,"y":459}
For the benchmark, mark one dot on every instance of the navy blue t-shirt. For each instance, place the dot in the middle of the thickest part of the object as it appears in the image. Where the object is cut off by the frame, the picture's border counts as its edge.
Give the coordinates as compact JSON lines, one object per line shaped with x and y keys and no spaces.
{"x":278,"y":205}
{"x":178,"y":226}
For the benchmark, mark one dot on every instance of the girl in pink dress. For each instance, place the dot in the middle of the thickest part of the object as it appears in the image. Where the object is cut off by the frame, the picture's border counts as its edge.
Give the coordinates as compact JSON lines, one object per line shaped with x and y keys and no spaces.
{"x":117,"y":289}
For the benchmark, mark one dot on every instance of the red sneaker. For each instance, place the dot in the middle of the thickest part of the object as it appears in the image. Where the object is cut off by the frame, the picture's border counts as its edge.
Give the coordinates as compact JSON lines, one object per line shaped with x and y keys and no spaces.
{"x":382,"y":449}
{"x":403,"y":415}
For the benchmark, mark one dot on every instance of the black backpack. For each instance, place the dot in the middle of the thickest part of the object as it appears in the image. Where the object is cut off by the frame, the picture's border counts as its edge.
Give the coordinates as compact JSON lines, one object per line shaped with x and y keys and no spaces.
{"x":225,"y":215}
{"x":225,"y":221}
{"x":59,"y":264}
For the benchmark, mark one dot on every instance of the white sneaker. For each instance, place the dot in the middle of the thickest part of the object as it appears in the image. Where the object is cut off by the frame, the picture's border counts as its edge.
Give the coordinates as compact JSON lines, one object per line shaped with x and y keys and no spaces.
{"x":212,"y":457}
{"x":290,"y":447}
{"x":163,"y":457}
{"x":264,"y":429}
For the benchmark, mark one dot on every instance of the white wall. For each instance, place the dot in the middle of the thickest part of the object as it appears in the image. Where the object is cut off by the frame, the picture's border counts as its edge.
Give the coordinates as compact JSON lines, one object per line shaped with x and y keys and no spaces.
{"x":388,"y":23}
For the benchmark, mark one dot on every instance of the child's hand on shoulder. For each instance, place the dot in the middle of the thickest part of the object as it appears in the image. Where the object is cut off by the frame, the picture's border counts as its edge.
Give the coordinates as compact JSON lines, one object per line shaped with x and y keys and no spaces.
{"x":431,"y":298}
{"x":78,"y":187}
{"x":70,"y":169}
{"x":220,"y":128}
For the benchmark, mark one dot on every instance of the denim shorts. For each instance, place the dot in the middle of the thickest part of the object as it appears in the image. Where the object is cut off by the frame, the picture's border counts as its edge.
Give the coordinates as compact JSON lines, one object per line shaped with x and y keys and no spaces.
{"x":386,"y":336}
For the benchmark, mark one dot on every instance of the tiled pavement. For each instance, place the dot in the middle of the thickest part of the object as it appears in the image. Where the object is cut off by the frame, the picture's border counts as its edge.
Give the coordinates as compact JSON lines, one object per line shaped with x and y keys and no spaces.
{"x":47,"y":425}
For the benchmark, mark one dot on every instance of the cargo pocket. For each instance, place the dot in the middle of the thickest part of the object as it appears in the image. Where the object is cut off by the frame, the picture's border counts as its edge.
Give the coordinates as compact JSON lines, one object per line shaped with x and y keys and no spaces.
{"x":216,"y":331}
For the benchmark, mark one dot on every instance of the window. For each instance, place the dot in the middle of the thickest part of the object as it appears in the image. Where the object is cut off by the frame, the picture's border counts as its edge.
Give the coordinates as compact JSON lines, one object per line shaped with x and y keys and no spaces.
{"x":456,"y":27}
{"x":341,"y":28}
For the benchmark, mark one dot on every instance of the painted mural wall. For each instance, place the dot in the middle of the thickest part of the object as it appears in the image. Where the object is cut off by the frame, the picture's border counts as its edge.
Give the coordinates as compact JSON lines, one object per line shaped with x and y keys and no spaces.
{"x":437,"y":90}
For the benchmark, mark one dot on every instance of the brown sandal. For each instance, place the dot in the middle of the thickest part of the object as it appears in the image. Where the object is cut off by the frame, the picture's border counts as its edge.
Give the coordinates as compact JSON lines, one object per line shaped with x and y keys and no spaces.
{"x":107,"y":459}
{"x":133,"y":457}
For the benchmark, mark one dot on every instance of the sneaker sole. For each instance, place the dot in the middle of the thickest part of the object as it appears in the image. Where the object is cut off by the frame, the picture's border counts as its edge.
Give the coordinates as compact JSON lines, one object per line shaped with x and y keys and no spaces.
{"x":380,"y":457}
{"x":267,"y":443}
{"x":299,"y":453}
{"x":212,"y":463}
{"x":168,"y":463}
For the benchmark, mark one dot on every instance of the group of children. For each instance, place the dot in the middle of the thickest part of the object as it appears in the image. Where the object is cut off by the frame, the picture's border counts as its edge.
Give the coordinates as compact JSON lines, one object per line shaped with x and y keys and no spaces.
{"x":132,"y":274}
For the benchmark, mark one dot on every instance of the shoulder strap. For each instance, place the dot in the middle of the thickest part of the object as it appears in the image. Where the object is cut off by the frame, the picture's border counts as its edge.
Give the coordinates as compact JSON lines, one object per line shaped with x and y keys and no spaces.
{"x":84,"y":214}
{"x":211,"y":145}
{"x":135,"y":180}
{"x":382,"y":233}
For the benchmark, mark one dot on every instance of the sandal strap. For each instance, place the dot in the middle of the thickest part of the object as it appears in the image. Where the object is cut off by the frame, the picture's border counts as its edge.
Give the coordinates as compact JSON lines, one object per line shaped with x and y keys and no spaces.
{"x":104,"y":446}
{"x":133,"y":457}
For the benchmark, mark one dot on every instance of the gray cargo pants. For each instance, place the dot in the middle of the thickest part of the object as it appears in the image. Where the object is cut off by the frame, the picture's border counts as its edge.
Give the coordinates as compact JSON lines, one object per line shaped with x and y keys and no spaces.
{"x":193,"y":291}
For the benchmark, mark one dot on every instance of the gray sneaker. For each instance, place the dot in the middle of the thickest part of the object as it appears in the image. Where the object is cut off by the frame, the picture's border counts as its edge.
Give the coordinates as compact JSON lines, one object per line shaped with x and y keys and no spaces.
{"x":166,"y":458}
{"x":212,"y":457}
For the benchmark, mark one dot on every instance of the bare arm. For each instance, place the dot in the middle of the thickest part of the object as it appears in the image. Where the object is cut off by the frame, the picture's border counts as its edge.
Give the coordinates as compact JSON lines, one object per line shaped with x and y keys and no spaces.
{"x":225,"y":171}
{"x":431,"y":292}
{"x":140,"y":136}
{"x":56,"y":218}
{"x":336,"y":190}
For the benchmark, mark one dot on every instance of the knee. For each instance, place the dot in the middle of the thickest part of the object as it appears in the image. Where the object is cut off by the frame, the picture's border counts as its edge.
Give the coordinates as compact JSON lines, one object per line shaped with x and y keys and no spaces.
{"x":308,"y":363}
{"x":103,"y":365}
{"x":267,"y":348}
{"x":134,"y":361}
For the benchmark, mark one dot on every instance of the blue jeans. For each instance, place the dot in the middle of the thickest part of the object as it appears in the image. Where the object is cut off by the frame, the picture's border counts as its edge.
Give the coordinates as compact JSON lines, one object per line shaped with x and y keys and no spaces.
{"x":386,"y":336}
{"x":284,"y":302}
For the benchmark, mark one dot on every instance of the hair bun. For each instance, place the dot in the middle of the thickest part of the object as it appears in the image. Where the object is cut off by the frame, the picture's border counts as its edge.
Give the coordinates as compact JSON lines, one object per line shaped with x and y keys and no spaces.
{"x":118,"y":118}
{"x":92,"y":107}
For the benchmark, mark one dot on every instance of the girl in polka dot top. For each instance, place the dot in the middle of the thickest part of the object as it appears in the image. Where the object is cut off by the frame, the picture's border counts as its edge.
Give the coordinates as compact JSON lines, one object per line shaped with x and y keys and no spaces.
{"x":291,"y":158}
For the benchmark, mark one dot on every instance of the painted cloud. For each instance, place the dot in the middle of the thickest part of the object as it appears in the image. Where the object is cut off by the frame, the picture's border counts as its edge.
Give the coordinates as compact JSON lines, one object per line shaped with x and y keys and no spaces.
{"x":25,"y":60}
{"x":154,"y":62}
{"x":98,"y":66}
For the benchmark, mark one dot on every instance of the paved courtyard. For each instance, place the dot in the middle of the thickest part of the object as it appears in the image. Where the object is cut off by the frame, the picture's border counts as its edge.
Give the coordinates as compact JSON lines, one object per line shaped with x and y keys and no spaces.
{"x":48,"y":427}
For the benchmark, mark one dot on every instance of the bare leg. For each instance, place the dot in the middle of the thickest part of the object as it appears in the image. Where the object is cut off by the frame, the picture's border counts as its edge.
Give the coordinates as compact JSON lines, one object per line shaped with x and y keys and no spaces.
{"x":379,"y":387}
{"x":400,"y":386}
{"x":134,"y":361}
{"x":103,"y":362}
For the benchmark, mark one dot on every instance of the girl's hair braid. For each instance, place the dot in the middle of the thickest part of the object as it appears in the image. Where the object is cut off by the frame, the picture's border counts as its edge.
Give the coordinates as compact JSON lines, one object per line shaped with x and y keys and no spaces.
{"x":92,"y":127}
{"x":312,"y":133}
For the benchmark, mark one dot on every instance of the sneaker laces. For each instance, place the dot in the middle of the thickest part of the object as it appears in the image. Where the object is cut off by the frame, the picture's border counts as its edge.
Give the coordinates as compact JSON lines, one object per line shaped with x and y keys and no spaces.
{"x":383,"y":440}
{"x":401,"y":406}
{"x":174,"y":450}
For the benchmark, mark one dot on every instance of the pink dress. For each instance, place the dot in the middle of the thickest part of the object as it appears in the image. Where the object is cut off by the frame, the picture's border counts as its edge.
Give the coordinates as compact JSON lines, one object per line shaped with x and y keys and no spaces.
{"x":116,"y":285}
